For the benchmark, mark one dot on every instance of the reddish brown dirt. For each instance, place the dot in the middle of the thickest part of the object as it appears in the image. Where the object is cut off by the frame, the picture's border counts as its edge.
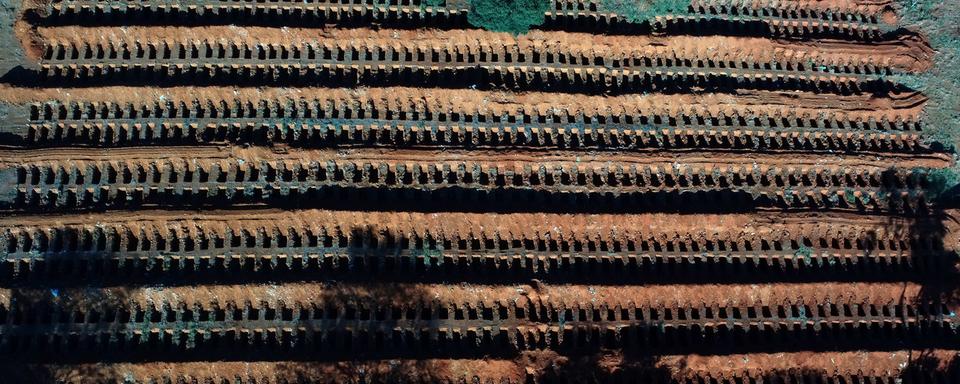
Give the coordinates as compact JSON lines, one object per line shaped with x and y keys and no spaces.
{"x":469,"y":295}
{"x":800,"y":104}
{"x":873,"y":363}
{"x":905,"y":54}
{"x":503,"y":160}
{"x":271,"y":372}
{"x":535,"y":363}
{"x":31,"y":41}
{"x":659,"y":227}
{"x":890,"y":17}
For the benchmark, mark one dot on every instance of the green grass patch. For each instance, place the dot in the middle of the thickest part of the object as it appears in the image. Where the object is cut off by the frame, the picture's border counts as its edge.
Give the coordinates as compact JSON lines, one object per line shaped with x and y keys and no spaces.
{"x":938,"y":21}
{"x":804,"y":251}
{"x":849,"y":195}
{"x":638,"y":11}
{"x":513,"y":16}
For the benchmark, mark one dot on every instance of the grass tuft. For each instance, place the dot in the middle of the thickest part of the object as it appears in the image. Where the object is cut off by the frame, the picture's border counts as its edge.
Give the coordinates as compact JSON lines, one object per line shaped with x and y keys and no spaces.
{"x":638,"y":11}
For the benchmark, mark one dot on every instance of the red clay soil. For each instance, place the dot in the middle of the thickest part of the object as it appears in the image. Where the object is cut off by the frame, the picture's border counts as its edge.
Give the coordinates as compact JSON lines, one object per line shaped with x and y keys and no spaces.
{"x":455,"y":225}
{"x":191,"y":157}
{"x":535,"y":364}
{"x":858,"y":107}
{"x":908,"y":53}
{"x":470,"y":295}
{"x":30,"y":39}
{"x":275,"y":372}
{"x":830,"y":363}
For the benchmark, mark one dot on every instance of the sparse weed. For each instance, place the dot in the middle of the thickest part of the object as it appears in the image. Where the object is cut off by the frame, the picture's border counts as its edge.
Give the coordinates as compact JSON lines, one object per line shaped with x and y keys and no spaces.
{"x":638,"y":11}
{"x":804,"y":252}
{"x":850,"y":195}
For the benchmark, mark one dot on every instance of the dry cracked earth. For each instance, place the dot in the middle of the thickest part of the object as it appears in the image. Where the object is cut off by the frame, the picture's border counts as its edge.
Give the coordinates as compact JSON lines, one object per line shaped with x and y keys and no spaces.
{"x":360,"y":191}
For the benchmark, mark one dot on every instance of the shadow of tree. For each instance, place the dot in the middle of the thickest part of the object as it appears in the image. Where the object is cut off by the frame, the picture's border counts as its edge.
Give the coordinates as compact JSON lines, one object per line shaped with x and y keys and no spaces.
{"x":388,"y":303}
{"x":940,"y":284}
{"x":604,"y":366}
{"x":42,"y":308}
{"x":937,"y":225}
{"x":72,"y":374}
{"x":930,"y":366}
{"x":928,"y":229}
{"x":371,"y":371}
{"x":798,"y":375}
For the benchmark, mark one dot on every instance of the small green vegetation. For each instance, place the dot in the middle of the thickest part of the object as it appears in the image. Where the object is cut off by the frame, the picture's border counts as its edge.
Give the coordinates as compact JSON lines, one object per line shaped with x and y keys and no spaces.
{"x":638,"y":11}
{"x":881,"y":197}
{"x":432,"y":3}
{"x":804,"y":252}
{"x":513,"y":16}
{"x":849,"y":195}
{"x":939,"y":182}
